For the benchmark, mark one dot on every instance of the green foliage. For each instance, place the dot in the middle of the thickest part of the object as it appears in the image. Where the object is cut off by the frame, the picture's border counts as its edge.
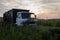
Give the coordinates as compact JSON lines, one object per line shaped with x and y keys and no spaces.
{"x":20,"y":33}
{"x":26,"y":22}
{"x":51,"y":22}
{"x":39,"y":32}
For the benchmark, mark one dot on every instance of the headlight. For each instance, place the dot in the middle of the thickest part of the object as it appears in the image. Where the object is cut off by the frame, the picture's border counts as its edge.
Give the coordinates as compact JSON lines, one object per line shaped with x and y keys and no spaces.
{"x":32,"y":16}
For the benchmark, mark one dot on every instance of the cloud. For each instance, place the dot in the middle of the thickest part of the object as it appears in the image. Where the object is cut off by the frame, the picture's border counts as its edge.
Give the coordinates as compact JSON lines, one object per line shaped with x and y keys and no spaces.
{"x":32,"y":5}
{"x":49,"y":15}
{"x":51,"y":1}
{"x":36,"y":6}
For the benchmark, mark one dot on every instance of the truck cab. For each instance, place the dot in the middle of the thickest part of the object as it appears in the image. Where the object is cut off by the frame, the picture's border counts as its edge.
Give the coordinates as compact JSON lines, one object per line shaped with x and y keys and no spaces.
{"x":24,"y":16}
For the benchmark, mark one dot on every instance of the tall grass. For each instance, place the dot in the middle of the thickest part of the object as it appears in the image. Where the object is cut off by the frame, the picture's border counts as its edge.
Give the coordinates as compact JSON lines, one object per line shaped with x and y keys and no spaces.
{"x":39,"y":32}
{"x":50,"y":22}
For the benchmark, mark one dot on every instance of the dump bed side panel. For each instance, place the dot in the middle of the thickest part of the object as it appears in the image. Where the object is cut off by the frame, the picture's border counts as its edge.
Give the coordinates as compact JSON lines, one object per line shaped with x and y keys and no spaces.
{"x":7,"y":18}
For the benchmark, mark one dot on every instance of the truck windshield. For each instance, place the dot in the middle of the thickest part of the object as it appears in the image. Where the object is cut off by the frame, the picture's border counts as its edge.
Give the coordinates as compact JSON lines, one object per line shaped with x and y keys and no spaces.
{"x":25,"y":15}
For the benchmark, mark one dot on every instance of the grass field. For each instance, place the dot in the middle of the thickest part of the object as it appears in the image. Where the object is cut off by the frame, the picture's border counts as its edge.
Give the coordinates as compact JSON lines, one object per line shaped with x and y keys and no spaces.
{"x":45,"y":30}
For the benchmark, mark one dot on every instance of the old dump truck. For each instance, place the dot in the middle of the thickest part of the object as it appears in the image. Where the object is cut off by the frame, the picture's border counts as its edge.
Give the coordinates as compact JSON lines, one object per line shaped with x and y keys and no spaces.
{"x":19,"y":16}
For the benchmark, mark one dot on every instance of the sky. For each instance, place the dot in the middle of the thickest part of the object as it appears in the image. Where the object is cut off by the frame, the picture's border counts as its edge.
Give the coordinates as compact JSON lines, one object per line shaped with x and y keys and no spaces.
{"x":35,"y":6}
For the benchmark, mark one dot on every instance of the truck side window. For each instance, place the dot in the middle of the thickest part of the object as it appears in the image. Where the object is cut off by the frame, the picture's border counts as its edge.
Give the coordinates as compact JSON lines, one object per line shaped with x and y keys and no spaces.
{"x":19,"y":14}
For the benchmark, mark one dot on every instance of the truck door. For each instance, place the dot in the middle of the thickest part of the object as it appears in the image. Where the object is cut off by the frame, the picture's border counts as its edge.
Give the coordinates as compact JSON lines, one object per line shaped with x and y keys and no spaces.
{"x":19,"y":18}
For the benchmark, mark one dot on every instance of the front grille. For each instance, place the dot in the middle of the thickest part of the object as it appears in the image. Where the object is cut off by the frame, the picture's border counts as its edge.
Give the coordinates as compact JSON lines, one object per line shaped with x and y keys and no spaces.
{"x":32,"y":22}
